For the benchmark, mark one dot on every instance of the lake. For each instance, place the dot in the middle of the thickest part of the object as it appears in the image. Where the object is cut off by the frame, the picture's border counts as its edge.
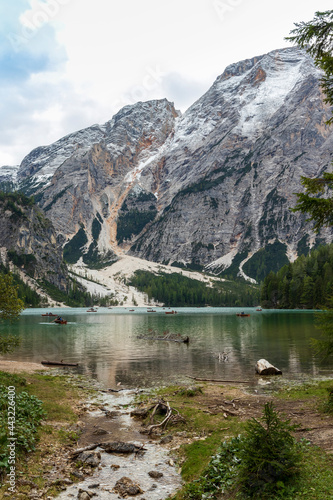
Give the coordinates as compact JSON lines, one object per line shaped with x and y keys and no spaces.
{"x":107,"y":347}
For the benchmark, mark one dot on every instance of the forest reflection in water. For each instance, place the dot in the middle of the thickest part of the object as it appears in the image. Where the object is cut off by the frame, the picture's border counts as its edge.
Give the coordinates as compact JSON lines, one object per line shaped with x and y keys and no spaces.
{"x":107,"y":345}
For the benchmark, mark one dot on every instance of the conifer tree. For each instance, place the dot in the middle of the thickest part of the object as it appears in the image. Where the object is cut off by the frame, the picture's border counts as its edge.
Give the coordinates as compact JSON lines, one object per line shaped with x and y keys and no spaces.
{"x":316,"y":37}
{"x":10,"y":308}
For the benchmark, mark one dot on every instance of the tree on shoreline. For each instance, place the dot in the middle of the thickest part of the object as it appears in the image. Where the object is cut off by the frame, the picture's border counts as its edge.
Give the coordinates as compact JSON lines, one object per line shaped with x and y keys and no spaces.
{"x":10,"y":308}
{"x":316,"y":37}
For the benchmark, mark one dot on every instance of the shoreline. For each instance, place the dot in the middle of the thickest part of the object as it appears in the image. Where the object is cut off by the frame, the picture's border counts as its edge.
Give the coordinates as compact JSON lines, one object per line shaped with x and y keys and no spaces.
{"x":21,"y":366}
{"x":101,"y":416}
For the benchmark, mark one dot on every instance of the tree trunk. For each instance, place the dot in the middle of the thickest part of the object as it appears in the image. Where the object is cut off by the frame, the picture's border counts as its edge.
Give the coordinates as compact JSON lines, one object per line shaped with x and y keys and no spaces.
{"x":263,"y":367}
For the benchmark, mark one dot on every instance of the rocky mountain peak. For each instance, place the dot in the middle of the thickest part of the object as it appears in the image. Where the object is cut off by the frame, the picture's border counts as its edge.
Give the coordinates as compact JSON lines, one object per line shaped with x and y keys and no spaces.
{"x":202,"y":188}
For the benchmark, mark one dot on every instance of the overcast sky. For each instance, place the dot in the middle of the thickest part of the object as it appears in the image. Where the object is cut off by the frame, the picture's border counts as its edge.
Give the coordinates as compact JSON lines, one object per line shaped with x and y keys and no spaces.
{"x":67,"y":64}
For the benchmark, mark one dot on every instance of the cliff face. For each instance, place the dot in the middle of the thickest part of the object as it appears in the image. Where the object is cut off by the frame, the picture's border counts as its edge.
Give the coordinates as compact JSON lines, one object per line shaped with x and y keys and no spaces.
{"x":89,"y":187}
{"x":236,"y":161}
{"x":28,"y":240}
{"x":197,"y":188}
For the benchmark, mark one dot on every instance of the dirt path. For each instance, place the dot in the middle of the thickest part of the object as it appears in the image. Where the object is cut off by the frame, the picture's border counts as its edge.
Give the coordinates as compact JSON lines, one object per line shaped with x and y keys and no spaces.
{"x":21,"y":366}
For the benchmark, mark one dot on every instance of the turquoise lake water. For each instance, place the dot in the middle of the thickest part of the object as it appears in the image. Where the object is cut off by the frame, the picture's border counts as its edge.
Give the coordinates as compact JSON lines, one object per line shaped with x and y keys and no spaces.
{"x":107,"y":347}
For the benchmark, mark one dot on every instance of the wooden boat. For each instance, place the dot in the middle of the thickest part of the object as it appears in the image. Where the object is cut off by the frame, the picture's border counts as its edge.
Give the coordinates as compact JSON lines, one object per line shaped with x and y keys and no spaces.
{"x":49,"y":314}
{"x":60,"y":321}
{"x":242,"y":315}
{"x":151,"y":311}
{"x":58,"y":363}
{"x":258,"y":309}
{"x":92,"y":310}
{"x":131,"y":310}
{"x":170,"y":312}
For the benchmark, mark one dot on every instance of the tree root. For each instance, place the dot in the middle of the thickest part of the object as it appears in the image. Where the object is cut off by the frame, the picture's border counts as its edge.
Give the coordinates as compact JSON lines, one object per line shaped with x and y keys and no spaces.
{"x":172,"y":416}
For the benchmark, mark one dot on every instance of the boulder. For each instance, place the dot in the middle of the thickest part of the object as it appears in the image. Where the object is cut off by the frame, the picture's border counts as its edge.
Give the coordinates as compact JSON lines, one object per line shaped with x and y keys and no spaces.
{"x":126,"y":487}
{"x":92,"y":458}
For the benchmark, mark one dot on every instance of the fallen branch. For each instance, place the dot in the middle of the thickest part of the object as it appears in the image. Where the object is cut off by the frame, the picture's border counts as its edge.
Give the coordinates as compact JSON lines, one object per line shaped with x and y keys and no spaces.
{"x":169,"y":413}
{"x":226,"y":410}
{"x":220,"y":381}
{"x":75,"y":453}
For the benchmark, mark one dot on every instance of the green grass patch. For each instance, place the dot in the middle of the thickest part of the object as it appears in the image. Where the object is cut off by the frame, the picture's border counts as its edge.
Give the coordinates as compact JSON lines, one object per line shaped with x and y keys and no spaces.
{"x":57,"y":394}
{"x":263,"y":462}
{"x":47,"y":397}
{"x":313,"y":391}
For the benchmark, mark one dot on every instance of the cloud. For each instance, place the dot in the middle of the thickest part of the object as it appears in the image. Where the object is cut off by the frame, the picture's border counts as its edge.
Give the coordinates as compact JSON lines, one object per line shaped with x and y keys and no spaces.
{"x":183,"y":91}
{"x":26,"y":51}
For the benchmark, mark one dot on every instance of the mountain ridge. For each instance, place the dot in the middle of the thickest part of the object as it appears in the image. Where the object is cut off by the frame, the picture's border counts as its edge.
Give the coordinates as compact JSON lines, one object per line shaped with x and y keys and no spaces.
{"x":197,"y":188}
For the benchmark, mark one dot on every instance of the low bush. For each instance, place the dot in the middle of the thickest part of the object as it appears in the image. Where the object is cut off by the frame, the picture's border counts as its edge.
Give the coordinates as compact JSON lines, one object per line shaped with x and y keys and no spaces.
{"x":20,"y":419}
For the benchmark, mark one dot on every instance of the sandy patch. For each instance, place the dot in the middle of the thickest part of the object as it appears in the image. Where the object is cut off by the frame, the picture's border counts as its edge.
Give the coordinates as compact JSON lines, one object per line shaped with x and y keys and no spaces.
{"x":112,"y":279}
{"x":20,"y":366}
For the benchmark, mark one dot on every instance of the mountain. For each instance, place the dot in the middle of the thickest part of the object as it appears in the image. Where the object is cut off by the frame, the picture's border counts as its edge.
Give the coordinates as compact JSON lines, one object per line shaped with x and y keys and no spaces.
{"x":28,"y":240}
{"x":209,"y":188}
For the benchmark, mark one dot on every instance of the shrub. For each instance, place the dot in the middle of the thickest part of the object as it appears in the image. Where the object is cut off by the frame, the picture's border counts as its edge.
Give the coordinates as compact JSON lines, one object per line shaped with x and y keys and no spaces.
{"x":270,"y":456}
{"x":220,"y":475}
{"x":328,"y":406}
{"x":28,"y":415}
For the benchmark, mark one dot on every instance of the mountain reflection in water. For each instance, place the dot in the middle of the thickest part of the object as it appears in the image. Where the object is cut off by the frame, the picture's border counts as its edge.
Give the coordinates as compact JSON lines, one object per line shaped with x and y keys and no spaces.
{"x":107,"y":347}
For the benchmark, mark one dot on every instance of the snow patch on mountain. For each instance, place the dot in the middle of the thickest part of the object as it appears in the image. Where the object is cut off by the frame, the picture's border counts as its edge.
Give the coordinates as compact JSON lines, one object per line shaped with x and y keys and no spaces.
{"x":9,"y":173}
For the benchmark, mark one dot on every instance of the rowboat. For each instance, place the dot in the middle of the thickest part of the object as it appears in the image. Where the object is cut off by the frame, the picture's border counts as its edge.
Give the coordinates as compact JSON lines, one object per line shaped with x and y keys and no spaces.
{"x":60,"y":321}
{"x":49,"y":314}
{"x":170,"y":312}
{"x":242,"y":315}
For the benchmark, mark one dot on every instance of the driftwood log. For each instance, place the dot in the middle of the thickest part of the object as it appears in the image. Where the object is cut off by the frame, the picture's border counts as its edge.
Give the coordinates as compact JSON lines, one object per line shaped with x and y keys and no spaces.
{"x":219,"y":381}
{"x":263,"y":367}
{"x":58,"y":363}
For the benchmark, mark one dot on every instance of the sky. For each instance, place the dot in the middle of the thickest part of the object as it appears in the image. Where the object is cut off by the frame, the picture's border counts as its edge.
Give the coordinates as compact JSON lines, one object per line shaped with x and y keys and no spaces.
{"x":68,"y":64}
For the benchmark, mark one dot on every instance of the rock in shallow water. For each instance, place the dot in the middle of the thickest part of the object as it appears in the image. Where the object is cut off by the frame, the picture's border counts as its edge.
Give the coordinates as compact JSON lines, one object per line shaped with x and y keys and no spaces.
{"x":126,"y":487}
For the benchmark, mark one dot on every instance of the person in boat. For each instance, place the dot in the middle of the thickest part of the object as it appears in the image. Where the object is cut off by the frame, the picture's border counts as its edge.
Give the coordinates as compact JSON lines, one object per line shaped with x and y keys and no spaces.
{"x":58,"y":318}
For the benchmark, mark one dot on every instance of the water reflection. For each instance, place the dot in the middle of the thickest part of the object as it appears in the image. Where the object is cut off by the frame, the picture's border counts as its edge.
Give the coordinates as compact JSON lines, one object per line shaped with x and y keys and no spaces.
{"x":106,"y":345}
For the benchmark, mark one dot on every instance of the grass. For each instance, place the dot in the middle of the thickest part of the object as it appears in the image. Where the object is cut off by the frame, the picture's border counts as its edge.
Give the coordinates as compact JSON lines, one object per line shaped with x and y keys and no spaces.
{"x":318,"y":393}
{"x":207,"y":432}
{"x":310,"y":390}
{"x":57,"y":393}
{"x":60,"y":395}
{"x":202,"y":434}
